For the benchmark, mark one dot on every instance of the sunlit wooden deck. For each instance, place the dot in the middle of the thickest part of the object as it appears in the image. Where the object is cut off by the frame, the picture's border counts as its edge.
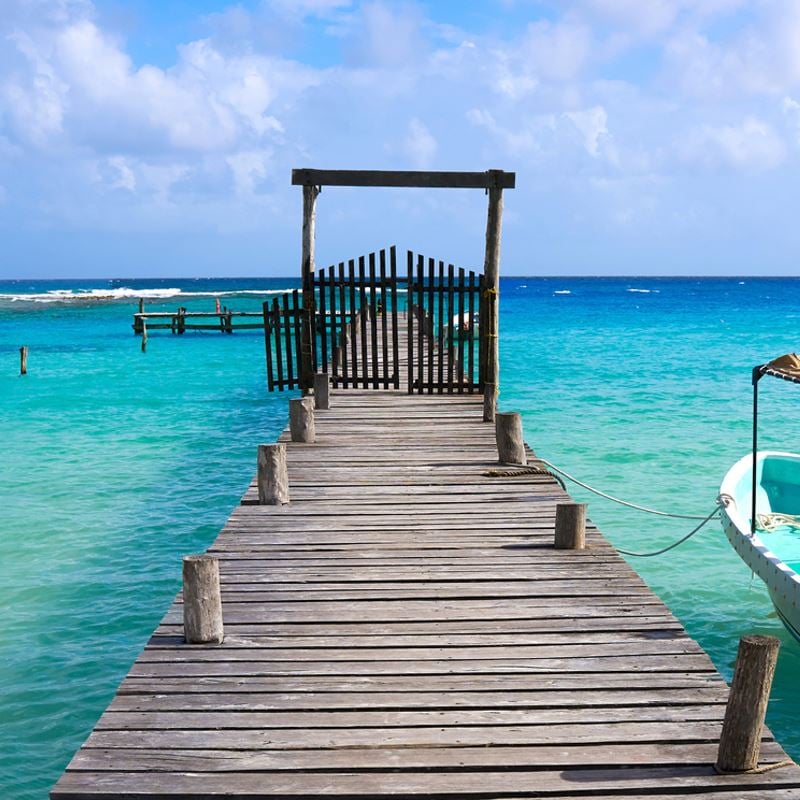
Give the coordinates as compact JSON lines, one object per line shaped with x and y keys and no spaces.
{"x":405,"y":628}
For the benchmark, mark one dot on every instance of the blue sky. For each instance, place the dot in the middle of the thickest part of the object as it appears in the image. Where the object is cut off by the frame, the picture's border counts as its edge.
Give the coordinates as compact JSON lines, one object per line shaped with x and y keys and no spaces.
{"x":144,"y":138}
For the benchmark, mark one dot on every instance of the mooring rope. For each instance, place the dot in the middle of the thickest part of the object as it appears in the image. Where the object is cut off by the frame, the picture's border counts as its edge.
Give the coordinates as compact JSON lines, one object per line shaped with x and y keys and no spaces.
{"x":617,"y":499}
{"x":787,"y":762}
{"x":521,"y":471}
{"x":772,"y":521}
{"x":672,"y":546}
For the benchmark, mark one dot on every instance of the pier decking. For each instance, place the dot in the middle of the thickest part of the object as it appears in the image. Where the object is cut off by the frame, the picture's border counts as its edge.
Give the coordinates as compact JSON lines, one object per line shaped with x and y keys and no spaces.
{"x":405,"y":628}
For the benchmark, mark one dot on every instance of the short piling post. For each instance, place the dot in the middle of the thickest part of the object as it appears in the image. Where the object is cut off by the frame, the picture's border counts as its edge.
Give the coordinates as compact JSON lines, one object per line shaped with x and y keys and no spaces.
{"x":301,"y":419}
{"x":273,"y":477}
{"x":321,"y":390}
{"x":489,"y":402}
{"x":740,"y":741}
{"x":570,"y":526}
{"x":510,"y":441}
{"x":202,"y":602}
{"x":144,"y":336}
{"x":23,"y":360}
{"x":141,"y":305}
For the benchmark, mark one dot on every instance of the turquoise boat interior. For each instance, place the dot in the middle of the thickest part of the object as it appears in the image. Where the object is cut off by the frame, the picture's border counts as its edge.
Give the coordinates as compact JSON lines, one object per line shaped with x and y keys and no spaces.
{"x":778,"y":492}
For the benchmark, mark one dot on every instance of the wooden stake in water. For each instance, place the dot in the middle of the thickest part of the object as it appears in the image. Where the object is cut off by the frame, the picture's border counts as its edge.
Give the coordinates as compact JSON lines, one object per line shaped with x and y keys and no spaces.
{"x":144,"y":336}
{"x":23,"y":360}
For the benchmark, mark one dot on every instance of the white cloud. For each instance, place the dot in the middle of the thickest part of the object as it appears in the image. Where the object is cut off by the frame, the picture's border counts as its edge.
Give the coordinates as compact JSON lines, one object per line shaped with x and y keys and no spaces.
{"x":791,"y":111}
{"x":384,"y":37}
{"x":125,"y":179}
{"x":306,"y":8}
{"x":592,"y":124}
{"x":556,"y":51}
{"x":419,"y":145}
{"x":751,"y":146}
{"x":645,"y":18}
{"x":34,"y":100}
{"x":80,"y":85}
{"x":196,"y":143}
{"x":249,"y":168}
{"x":517,"y":142}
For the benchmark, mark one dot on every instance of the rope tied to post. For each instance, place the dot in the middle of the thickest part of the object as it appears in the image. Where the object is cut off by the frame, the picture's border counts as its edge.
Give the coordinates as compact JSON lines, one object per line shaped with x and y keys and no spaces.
{"x":704,"y":520}
{"x":487,"y":293}
{"x":626,"y":503}
{"x":787,"y":762}
{"x":521,"y":471}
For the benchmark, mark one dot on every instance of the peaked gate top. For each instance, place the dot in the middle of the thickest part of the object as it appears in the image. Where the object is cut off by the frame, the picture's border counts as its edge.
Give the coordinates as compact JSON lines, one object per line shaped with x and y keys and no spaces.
{"x":372,"y":328}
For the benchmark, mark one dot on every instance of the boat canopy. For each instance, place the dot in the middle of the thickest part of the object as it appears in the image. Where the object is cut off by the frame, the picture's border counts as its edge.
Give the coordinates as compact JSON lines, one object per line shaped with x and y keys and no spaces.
{"x":786,"y":367}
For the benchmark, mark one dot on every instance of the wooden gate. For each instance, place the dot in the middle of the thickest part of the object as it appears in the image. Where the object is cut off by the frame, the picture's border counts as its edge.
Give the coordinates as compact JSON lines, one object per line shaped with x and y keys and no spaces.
{"x":358,"y":338}
{"x":356,"y":322}
{"x":446,"y":321}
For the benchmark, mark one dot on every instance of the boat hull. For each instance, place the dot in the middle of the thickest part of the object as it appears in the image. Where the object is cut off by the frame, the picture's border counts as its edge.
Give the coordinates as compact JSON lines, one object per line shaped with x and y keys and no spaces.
{"x":782,"y":582}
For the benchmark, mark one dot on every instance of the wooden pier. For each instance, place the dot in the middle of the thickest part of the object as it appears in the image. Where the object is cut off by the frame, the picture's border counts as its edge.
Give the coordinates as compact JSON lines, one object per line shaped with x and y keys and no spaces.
{"x":181,"y":320}
{"x":405,"y":626}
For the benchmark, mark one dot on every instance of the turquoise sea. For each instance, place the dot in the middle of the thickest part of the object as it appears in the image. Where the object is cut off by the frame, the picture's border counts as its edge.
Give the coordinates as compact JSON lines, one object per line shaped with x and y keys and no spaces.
{"x":116,"y":463}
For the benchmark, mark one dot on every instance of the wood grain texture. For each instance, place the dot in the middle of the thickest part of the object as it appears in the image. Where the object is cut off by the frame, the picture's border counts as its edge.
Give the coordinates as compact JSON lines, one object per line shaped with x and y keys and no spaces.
{"x":406,"y":628}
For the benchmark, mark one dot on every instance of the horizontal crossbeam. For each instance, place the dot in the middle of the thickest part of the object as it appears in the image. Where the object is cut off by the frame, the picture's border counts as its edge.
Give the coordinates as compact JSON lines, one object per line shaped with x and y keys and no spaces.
{"x":493,"y":178}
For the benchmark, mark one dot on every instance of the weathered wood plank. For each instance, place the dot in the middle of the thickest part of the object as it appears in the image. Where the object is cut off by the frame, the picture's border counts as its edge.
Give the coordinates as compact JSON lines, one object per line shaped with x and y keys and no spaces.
{"x":423,"y":179}
{"x":405,"y":628}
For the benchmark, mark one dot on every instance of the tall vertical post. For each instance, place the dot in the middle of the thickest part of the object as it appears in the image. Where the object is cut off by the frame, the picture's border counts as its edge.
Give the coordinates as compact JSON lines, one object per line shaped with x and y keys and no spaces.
{"x":307,"y":273}
{"x":491,"y":271}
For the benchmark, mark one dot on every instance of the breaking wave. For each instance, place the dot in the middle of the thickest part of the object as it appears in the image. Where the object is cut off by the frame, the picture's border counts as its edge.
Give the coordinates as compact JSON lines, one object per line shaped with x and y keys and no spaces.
{"x":124,"y":293}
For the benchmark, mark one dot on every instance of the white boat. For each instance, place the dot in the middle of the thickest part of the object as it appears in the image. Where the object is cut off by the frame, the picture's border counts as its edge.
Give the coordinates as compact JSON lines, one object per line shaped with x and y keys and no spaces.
{"x":760,"y":509}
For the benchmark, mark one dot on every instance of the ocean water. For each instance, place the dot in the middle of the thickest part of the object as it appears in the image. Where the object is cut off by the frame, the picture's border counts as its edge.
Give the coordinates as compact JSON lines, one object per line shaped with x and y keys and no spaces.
{"x":117,"y":463}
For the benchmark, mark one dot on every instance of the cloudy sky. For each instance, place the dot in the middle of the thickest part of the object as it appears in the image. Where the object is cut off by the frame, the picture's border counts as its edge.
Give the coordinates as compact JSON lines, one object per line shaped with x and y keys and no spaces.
{"x":154,"y":138}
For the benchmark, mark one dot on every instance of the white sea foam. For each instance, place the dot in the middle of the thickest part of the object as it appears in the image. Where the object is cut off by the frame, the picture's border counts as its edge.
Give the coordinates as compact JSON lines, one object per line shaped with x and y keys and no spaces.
{"x":125,"y":293}
{"x":643,"y":291}
{"x":562,"y":291}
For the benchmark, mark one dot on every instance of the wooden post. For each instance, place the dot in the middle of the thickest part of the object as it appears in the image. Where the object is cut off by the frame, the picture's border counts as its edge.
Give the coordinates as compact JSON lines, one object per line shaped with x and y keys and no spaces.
{"x":489,"y":402}
{"x":740,"y":741}
{"x":491,"y":271}
{"x":570,"y":526}
{"x":202,"y":603}
{"x":301,"y":419}
{"x":321,"y":390}
{"x":306,"y":367}
{"x":181,"y":321}
{"x":273,"y":477}
{"x":141,"y":305}
{"x":510,"y":441}
{"x":23,"y":360}
{"x":144,"y":336}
